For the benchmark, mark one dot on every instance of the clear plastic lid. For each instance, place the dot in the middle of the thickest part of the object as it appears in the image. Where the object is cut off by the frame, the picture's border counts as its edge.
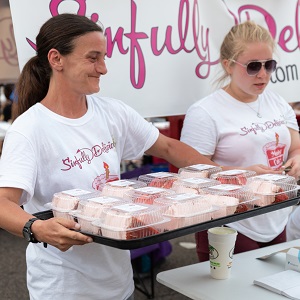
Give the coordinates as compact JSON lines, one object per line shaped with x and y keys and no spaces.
{"x":69,"y":199}
{"x":159,"y":179}
{"x":242,"y":193}
{"x":59,"y":212}
{"x":273,"y":188}
{"x":227,"y":204}
{"x":200,"y":170}
{"x":183,"y":205}
{"x":118,"y":188}
{"x":230,"y":198}
{"x":93,"y":207}
{"x":129,"y":221}
{"x":186,"y":209}
{"x":275,"y":178}
{"x":238,"y":177}
{"x":146,"y":195}
{"x":193,"y":185}
{"x":86,"y":224}
{"x":131,"y":216}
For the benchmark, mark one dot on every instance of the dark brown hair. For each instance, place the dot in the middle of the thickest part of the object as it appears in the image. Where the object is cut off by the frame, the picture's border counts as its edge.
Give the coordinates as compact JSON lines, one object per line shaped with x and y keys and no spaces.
{"x":59,"y":33}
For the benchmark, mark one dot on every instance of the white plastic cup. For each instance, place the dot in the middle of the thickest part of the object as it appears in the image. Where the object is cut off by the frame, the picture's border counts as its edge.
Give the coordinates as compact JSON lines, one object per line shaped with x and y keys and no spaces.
{"x":221,"y":242}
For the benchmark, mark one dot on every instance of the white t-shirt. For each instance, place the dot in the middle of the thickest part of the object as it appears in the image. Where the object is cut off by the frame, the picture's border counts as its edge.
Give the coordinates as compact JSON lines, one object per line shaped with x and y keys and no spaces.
{"x":45,"y":153}
{"x":234,"y":135}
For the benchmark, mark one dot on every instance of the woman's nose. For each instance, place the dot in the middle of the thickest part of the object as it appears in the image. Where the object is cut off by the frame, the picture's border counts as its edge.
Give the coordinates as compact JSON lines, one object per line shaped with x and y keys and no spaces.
{"x":262,"y":72}
{"x":100,"y":67}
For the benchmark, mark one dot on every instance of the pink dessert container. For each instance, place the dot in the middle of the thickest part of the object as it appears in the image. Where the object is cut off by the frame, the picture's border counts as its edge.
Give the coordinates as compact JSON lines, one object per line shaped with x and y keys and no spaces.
{"x":86,"y":223}
{"x":186,"y":209}
{"x":230,"y":199}
{"x":160,"y":179}
{"x":193,"y":185}
{"x":273,"y":188}
{"x":60,"y":212}
{"x":65,"y":201}
{"x":147,"y":194}
{"x":131,"y":221}
{"x":238,"y":177}
{"x":200,"y":170}
{"x":119,"y":187}
{"x":91,"y":209}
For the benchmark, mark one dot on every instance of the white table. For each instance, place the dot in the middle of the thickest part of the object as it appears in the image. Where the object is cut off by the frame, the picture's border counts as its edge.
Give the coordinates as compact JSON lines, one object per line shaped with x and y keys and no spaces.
{"x":195,"y":282}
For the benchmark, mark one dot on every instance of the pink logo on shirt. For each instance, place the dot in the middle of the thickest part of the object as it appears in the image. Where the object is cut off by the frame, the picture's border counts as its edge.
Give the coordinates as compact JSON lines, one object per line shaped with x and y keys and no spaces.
{"x":86,"y":155}
{"x":275,"y":153}
{"x":100,"y":180}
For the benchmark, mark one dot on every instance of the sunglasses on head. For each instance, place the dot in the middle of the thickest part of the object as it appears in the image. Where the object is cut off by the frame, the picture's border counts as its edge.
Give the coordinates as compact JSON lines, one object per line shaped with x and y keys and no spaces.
{"x":253,"y":67}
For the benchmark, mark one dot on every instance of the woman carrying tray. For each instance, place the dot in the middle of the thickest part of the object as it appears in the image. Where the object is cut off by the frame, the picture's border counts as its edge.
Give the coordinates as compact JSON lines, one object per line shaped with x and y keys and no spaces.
{"x":243,"y":124}
{"x":66,"y":138}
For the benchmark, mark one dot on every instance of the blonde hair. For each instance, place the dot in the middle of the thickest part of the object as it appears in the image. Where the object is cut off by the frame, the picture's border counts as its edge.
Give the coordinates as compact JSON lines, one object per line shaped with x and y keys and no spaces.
{"x":237,"y":39}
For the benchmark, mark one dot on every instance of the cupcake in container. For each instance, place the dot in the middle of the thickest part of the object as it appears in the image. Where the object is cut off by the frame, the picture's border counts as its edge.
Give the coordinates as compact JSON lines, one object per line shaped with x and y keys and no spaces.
{"x":159,"y":179}
{"x":131,"y":221}
{"x":200,"y":170}
{"x":65,"y":201}
{"x":230,"y":198}
{"x":147,"y":194}
{"x":193,"y":185}
{"x":91,"y":209}
{"x":186,"y":209}
{"x":238,"y":177}
{"x":118,"y":188}
{"x":273,"y":188}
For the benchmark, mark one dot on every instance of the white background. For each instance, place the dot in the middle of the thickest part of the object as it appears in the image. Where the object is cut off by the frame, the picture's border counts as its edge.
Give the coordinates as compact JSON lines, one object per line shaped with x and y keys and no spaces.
{"x":171,"y":84}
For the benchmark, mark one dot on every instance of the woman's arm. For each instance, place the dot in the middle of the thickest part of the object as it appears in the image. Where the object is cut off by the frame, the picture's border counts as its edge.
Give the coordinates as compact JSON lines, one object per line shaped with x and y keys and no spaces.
{"x":180,"y":155}
{"x":294,"y":154}
{"x":177,"y":153}
{"x":54,"y":231}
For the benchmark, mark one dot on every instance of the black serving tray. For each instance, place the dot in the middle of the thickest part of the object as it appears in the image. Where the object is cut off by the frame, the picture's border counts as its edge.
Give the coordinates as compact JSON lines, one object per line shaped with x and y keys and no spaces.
{"x":168,"y":235}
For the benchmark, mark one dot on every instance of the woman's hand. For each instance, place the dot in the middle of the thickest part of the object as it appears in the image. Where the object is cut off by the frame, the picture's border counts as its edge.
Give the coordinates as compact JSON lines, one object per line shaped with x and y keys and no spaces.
{"x":60,"y":233}
{"x":293,"y":161}
{"x":294,"y":165}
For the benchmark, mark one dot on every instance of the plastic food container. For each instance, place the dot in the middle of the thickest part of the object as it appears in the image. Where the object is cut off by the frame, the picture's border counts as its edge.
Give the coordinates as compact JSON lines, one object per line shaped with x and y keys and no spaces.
{"x":64,"y":202}
{"x":86,"y":223}
{"x":93,"y":207}
{"x":186,"y":209}
{"x":60,"y":212}
{"x":200,"y":170}
{"x":230,"y":199}
{"x":160,"y":179}
{"x":193,"y":185}
{"x":90,"y":210}
{"x":238,"y":177}
{"x":119,"y":187}
{"x":147,"y":195}
{"x":273,"y":188}
{"x":131,"y":221}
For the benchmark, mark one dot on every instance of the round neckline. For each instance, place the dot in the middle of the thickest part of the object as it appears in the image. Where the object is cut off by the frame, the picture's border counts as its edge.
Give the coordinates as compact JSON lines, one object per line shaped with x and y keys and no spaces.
{"x":70,"y":121}
{"x":234,"y":100}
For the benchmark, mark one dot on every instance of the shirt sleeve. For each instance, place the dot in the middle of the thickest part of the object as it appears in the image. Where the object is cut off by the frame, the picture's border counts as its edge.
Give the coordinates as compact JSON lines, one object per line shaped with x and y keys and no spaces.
{"x":136,"y":134}
{"x":199,"y":130}
{"x":18,"y":168}
{"x":291,"y":119}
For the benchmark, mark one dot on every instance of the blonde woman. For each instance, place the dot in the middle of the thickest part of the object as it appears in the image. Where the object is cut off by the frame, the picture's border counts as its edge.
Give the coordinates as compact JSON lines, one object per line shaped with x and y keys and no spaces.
{"x":244,"y":124}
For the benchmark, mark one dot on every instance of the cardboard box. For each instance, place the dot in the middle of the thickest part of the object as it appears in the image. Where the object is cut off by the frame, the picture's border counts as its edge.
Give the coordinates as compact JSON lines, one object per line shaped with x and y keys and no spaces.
{"x":292,"y":261}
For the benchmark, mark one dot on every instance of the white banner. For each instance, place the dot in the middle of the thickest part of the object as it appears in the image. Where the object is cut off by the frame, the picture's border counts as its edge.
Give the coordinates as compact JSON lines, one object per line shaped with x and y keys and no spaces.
{"x":162,"y":55}
{"x":9,"y":68}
